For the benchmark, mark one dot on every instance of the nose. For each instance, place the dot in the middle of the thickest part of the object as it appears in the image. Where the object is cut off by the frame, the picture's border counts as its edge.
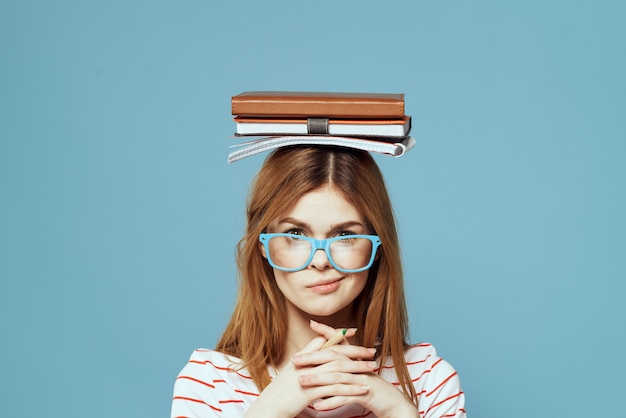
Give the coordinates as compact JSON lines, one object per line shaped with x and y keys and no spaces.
{"x":320,"y":260}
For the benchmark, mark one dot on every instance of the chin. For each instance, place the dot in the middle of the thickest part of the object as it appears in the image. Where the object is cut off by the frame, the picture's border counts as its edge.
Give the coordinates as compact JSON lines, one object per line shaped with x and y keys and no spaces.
{"x":325,"y":312}
{"x":321,"y":314}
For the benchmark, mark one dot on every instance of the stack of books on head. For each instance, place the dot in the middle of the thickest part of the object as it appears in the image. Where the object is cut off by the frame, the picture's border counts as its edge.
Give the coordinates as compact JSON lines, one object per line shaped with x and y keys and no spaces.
{"x":368,"y":121}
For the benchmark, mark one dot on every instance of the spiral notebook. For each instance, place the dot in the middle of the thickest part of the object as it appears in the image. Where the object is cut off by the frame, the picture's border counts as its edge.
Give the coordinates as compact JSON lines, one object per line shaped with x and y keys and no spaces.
{"x":392,"y":148}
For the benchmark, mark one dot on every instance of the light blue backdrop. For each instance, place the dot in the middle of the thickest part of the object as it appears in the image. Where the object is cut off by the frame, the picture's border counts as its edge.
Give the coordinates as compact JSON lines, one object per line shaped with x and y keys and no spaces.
{"x":119,"y":215}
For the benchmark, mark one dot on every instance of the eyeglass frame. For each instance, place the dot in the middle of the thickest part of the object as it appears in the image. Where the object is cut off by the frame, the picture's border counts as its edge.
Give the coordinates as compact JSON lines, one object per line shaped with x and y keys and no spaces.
{"x":320,"y":244}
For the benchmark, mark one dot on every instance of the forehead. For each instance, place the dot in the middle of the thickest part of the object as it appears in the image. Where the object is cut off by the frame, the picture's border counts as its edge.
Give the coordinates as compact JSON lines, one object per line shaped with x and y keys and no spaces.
{"x":323,"y":205}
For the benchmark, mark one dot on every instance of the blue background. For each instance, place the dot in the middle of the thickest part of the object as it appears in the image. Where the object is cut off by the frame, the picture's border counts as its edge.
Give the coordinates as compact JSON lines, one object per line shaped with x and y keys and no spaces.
{"x":119,"y":215}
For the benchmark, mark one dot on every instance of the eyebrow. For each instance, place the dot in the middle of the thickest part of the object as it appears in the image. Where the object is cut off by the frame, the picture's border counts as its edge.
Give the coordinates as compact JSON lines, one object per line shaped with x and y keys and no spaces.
{"x":333,"y":228}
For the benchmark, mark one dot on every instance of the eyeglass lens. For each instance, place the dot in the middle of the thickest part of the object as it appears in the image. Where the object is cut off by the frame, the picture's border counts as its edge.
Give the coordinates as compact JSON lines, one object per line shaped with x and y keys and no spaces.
{"x":292,"y":253}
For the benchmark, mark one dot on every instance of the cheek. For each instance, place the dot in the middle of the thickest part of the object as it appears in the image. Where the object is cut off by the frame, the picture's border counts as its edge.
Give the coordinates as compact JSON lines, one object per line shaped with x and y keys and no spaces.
{"x":282,"y":280}
{"x":360,"y":281}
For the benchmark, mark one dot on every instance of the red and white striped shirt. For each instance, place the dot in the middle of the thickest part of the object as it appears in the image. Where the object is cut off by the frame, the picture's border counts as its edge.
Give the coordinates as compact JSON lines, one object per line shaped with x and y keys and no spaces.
{"x":212,"y":385}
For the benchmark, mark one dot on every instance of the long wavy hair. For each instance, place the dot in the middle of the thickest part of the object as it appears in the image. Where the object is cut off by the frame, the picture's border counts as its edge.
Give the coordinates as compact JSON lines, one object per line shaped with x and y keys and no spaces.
{"x":257,"y":330}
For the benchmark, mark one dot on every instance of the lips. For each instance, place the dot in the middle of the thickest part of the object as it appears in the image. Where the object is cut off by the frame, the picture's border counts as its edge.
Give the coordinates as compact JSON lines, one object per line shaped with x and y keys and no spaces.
{"x":326,"y":286}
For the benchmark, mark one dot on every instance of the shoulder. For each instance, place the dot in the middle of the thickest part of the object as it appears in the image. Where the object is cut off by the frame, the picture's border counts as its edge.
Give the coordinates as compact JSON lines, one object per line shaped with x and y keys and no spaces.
{"x":420,"y":353}
{"x":421,"y":361}
{"x":436,"y":382}
{"x":425,"y":366}
{"x":423,"y":358}
{"x":214,"y":358}
{"x":213,"y":383}
{"x":215,"y":366}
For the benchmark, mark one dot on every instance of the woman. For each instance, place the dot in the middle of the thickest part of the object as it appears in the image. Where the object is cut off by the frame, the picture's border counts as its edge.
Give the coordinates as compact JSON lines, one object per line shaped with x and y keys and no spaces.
{"x":320,"y":254}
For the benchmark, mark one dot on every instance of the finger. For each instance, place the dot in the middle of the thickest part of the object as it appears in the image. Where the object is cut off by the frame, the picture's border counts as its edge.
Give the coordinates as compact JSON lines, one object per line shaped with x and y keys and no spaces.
{"x":337,"y":352}
{"x":339,"y":390}
{"x":350,"y":372}
{"x":329,"y":332}
{"x":334,"y":402}
{"x":350,"y":332}
{"x":354,"y":351}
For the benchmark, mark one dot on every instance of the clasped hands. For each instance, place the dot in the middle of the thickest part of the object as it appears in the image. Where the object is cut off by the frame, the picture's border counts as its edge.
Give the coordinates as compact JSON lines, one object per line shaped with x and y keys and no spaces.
{"x":330,"y":378}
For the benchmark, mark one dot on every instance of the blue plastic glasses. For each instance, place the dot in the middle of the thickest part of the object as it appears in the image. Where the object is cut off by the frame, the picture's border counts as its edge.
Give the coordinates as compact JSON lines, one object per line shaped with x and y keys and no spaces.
{"x":347,"y":254}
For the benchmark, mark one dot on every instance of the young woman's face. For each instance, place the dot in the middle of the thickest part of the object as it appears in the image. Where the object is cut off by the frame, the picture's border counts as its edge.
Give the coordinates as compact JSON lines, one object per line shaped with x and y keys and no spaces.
{"x":319,"y":290}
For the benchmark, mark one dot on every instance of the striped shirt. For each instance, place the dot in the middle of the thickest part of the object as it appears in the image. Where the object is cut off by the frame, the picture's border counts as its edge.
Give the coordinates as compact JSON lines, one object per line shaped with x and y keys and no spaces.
{"x":212,"y":385}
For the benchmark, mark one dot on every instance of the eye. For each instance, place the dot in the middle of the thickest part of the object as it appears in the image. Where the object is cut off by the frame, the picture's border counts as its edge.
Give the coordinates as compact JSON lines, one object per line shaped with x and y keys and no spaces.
{"x":345,"y":233}
{"x":294,"y":231}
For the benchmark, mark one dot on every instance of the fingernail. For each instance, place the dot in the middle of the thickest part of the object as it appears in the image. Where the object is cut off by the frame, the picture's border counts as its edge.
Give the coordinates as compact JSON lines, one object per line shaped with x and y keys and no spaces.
{"x":371,"y":364}
{"x":372,"y":350}
{"x":313,"y":322}
{"x":365,"y":388}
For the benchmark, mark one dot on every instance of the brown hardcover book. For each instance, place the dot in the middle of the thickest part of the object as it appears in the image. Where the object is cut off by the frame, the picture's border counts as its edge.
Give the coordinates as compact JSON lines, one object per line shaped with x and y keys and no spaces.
{"x":318,"y":104}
